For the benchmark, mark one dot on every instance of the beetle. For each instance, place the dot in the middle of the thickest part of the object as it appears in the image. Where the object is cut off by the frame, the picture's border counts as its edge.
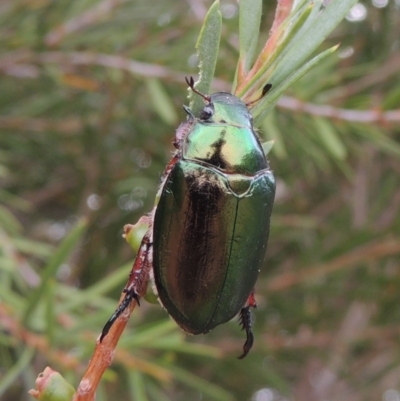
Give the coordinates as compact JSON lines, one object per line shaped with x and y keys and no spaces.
{"x":208,"y":233}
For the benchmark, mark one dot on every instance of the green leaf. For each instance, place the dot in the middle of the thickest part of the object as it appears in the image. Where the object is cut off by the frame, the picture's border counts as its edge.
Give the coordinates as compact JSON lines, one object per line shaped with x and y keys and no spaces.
{"x":178,"y":345}
{"x":8,"y":221}
{"x":208,"y":389}
{"x":329,"y":138}
{"x":267,"y":146}
{"x":35,"y":248}
{"x":374,"y":134}
{"x":11,"y":375}
{"x":310,"y":26}
{"x":50,"y":315}
{"x":61,"y":254}
{"x":147,"y":335}
{"x":89,"y":295}
{"x":161,"y":101}
{"x":264,"y":106}
{"x":137,"y":387}
{"x":15,"y":201}
{"x":320,"y":25}
{"x":273,"y":133}
{"x":207,"y":51}
{"x":293,"y":24}
{"x":249,"y":26}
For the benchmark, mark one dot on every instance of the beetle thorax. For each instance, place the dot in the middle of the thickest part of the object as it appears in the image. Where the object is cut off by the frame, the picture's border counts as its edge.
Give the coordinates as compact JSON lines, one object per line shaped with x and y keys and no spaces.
{"x":229,"y":148}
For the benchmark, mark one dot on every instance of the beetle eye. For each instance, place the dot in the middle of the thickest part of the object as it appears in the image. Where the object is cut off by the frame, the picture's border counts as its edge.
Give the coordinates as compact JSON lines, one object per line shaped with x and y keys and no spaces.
{"x":207,"y":112}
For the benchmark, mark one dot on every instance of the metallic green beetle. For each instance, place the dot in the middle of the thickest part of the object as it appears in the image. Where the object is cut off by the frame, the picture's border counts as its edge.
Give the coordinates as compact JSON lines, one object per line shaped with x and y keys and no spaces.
{"x":208,"y":233}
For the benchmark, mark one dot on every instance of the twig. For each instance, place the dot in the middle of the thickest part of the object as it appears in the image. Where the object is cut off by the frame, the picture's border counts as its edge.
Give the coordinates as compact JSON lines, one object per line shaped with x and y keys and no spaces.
{"x":82,"y":21}
{"x":377,"y":76}
{"x":306,"y":338}
{"x":361,"y":116}
{"x":104,"y":351}
{"x":110,"y":61}
{"x":282,"y":11}
{"x":70,"y":125}
{"x":102,"y":357}
{"x":12,"y":63}
{"x":367,"y":253}
{"x":157,"y":71}
{"x":37,"y":341}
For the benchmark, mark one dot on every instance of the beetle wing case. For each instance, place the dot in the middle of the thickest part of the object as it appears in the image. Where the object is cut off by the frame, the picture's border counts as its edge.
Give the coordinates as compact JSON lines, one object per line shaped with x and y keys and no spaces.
{"x":206,"y":260}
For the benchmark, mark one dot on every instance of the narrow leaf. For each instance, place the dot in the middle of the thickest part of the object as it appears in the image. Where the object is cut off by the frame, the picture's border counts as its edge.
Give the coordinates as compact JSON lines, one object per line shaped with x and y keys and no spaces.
{"x":61,"y":254}
{"x":329,"y":138}
{"x":137,"y":387}
{"x":249,"y":27}
{"x":11,"y":375}
{"x":207,"y":51}
{"x":161,"y":101}
{"x":264,"y":106}
{"x":208,"y":389}
{"x":272,"y":133}
{"x":267,"y":146}
{"x":112,"y":281}
{"x":306,"y":43}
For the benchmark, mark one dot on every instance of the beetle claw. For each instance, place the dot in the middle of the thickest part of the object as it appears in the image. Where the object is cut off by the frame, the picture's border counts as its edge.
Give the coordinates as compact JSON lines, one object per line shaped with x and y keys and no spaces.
{"x":248,"y":344}
{"x":131,"y":295}
{"x":245,"y":322}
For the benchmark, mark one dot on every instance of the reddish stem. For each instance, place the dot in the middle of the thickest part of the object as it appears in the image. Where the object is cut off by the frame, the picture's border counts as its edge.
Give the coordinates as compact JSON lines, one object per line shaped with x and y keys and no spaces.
{"x":102,"y":358}
{"x":283,"y":9}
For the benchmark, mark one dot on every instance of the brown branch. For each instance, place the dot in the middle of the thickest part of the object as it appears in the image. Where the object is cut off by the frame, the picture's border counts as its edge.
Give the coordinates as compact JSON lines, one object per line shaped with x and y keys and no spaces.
{"x":104,"y":350}
{"x":70,"y":125}
{"x":371,"y":251}
{"x":306,"y":338}
{"x":106,"y":60}
{"x":152,"y":70}
{"x":354,"y":329}
{"x":67,"y":59}
{"x":12,"y":63}
{"x":360,"y":116}
{"x":379,"y":76}
{"x":102,"y":357}
{"x":82,"y":21}
{"x":10,"y":323}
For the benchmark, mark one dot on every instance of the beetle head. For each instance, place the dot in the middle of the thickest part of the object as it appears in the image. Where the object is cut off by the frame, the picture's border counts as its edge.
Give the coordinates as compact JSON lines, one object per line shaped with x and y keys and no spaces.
{"x":223,"y":107}
{"x":228,"y":108}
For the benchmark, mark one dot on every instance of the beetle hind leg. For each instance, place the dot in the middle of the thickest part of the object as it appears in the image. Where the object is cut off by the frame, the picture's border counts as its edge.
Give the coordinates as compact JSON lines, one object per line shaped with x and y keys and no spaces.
{"x":137,"y":283}
{"x":130,"y":295}
{"x":246,"y":322}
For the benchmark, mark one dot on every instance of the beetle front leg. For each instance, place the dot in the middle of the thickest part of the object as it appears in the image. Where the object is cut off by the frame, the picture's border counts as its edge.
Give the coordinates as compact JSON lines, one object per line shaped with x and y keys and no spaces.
{"x":137,"y":282}
{"x":246,"y":323}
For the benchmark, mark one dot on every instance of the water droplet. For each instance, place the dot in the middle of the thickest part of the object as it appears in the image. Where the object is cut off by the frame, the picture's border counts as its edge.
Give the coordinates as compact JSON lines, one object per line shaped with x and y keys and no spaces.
{"x":93,"y":201}
{"x":357,"y":13}
{"x":380,"y":3}
{"x":229,"y":11}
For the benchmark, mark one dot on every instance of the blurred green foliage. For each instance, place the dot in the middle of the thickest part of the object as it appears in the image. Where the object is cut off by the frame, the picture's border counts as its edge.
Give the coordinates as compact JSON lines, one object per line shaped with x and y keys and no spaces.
{"x":91,"y":93}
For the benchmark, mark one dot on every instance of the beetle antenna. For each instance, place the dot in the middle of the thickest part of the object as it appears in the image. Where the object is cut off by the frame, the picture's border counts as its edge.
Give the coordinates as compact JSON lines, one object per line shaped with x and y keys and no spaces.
{"x":190,"y":82}
{"x":265,"y":90}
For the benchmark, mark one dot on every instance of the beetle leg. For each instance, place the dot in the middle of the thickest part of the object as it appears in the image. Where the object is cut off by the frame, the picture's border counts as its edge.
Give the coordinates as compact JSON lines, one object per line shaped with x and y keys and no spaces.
{"x":137,"y":282}
{"x":246,"y":323}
